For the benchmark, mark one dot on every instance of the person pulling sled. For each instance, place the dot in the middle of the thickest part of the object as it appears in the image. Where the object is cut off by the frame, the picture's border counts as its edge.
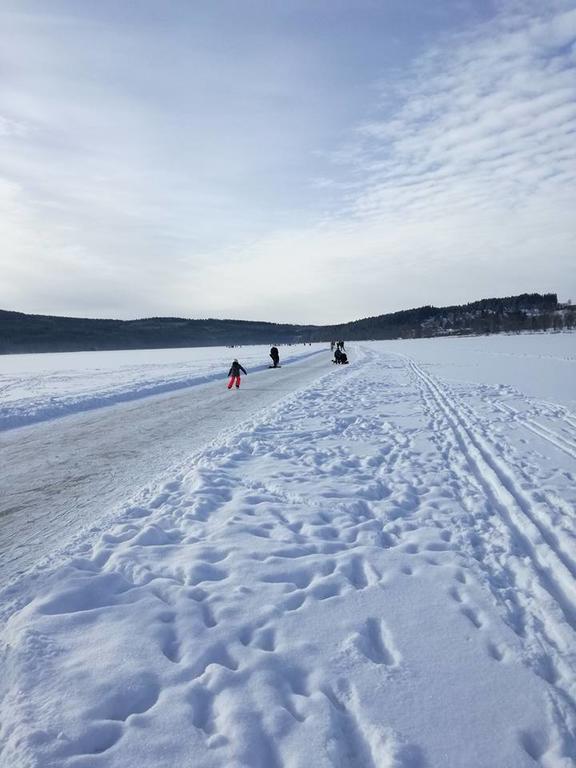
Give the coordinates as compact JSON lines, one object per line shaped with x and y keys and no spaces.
{"x":234,"y":374}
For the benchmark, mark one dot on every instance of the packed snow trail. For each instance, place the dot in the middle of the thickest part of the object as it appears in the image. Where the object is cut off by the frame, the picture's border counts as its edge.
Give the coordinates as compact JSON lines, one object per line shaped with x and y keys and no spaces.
{"x":61,"y":476}
{"x":36,"y":388}
{"x":376,"y":572}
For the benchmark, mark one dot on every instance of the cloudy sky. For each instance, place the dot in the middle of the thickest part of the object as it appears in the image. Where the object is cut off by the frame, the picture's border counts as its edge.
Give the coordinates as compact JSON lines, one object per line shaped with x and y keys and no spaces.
{"x":298,"y":161}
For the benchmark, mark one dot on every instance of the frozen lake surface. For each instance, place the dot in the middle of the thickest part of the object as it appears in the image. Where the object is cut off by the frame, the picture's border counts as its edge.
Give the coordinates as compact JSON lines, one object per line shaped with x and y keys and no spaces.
{"x":35,"y":388}
{"x":62,"y":475}
{"x":353,"y":566}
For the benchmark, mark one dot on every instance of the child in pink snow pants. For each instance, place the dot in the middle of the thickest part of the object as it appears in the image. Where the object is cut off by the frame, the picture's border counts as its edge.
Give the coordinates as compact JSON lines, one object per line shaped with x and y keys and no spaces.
{"x":234,"y":374}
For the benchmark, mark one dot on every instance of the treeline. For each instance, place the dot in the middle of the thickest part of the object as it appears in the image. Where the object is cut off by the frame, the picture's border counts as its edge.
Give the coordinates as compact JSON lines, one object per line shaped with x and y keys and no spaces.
{"x":526,"y":312}
{"x":21,"y":332}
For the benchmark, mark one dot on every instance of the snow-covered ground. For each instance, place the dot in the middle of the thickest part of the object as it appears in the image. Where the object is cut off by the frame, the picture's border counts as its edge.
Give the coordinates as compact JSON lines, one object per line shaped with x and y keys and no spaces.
{"x":34,"y":388}
{"x":540,"y":365}
{"x":377,"y":571}
{"x":62,"y":477}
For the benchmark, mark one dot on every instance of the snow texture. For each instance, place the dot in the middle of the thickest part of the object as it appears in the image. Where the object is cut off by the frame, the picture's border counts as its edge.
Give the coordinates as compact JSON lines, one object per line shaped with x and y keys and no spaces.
{"x":376,"y":572}
{"x":86,"y":466}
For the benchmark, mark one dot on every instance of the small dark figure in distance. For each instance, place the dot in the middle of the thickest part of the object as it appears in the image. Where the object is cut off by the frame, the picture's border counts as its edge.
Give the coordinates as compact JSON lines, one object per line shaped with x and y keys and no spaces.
{"x":274,"y":354}
{"x":341,"y":358}
{"x":332,"y":346}
{"x":234,"y":374}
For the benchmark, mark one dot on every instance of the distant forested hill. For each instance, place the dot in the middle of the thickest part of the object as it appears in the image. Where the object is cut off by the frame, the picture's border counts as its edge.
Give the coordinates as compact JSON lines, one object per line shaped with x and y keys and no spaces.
{"x":526,"y":312}
{"x":44,"y":333}
{"x":21,"y":332}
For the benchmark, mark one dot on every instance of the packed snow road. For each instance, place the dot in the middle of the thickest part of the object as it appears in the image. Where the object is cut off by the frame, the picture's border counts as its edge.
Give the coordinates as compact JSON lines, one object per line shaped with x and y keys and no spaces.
{"x":376,"y":571}
{"x":60,"y":476}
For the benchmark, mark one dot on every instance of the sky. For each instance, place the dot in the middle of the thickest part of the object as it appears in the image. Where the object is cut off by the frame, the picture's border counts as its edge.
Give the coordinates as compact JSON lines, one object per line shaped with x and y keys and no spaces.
{"x":308,"y":161}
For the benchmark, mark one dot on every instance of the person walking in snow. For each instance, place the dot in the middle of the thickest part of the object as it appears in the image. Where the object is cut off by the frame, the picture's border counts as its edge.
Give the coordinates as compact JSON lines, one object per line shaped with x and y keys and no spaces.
{"x":234,"y":374}
{"x":275,"y":355}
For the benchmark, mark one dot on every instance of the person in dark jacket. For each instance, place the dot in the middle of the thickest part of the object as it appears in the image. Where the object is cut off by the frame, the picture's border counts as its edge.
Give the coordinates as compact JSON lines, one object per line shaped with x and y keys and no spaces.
{"x":234,"y":374}
{"x":275,"y":355}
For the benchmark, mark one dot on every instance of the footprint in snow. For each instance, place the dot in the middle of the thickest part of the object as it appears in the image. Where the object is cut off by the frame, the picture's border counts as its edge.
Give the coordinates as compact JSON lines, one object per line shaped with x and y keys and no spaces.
{"x":374,"y":640}
{"x":473,"y":616}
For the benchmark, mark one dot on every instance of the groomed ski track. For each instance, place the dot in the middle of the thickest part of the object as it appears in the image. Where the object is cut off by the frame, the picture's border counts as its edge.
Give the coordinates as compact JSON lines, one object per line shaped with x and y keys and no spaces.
{"x":528,"y":545}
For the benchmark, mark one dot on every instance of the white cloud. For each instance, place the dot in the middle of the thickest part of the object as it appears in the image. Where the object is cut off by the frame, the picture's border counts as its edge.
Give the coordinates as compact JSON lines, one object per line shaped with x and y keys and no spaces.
{"x":459,"y":184}
{"x":465,"y":190}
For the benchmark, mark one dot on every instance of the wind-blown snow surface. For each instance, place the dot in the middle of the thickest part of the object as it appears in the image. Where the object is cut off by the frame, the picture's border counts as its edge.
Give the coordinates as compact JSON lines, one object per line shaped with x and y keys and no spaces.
{"x":377,"y":572}
{"x":34,"y":388}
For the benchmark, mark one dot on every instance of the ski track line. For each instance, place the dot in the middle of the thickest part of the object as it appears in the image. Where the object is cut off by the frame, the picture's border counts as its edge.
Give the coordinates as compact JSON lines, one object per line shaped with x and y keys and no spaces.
{"x":509,"y":583}
{"x":538,"y":429}
{"x":548,"y":529}
{"x":561,"y":411}
{"x":560,"y":539}
{"x":515,"y":507}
